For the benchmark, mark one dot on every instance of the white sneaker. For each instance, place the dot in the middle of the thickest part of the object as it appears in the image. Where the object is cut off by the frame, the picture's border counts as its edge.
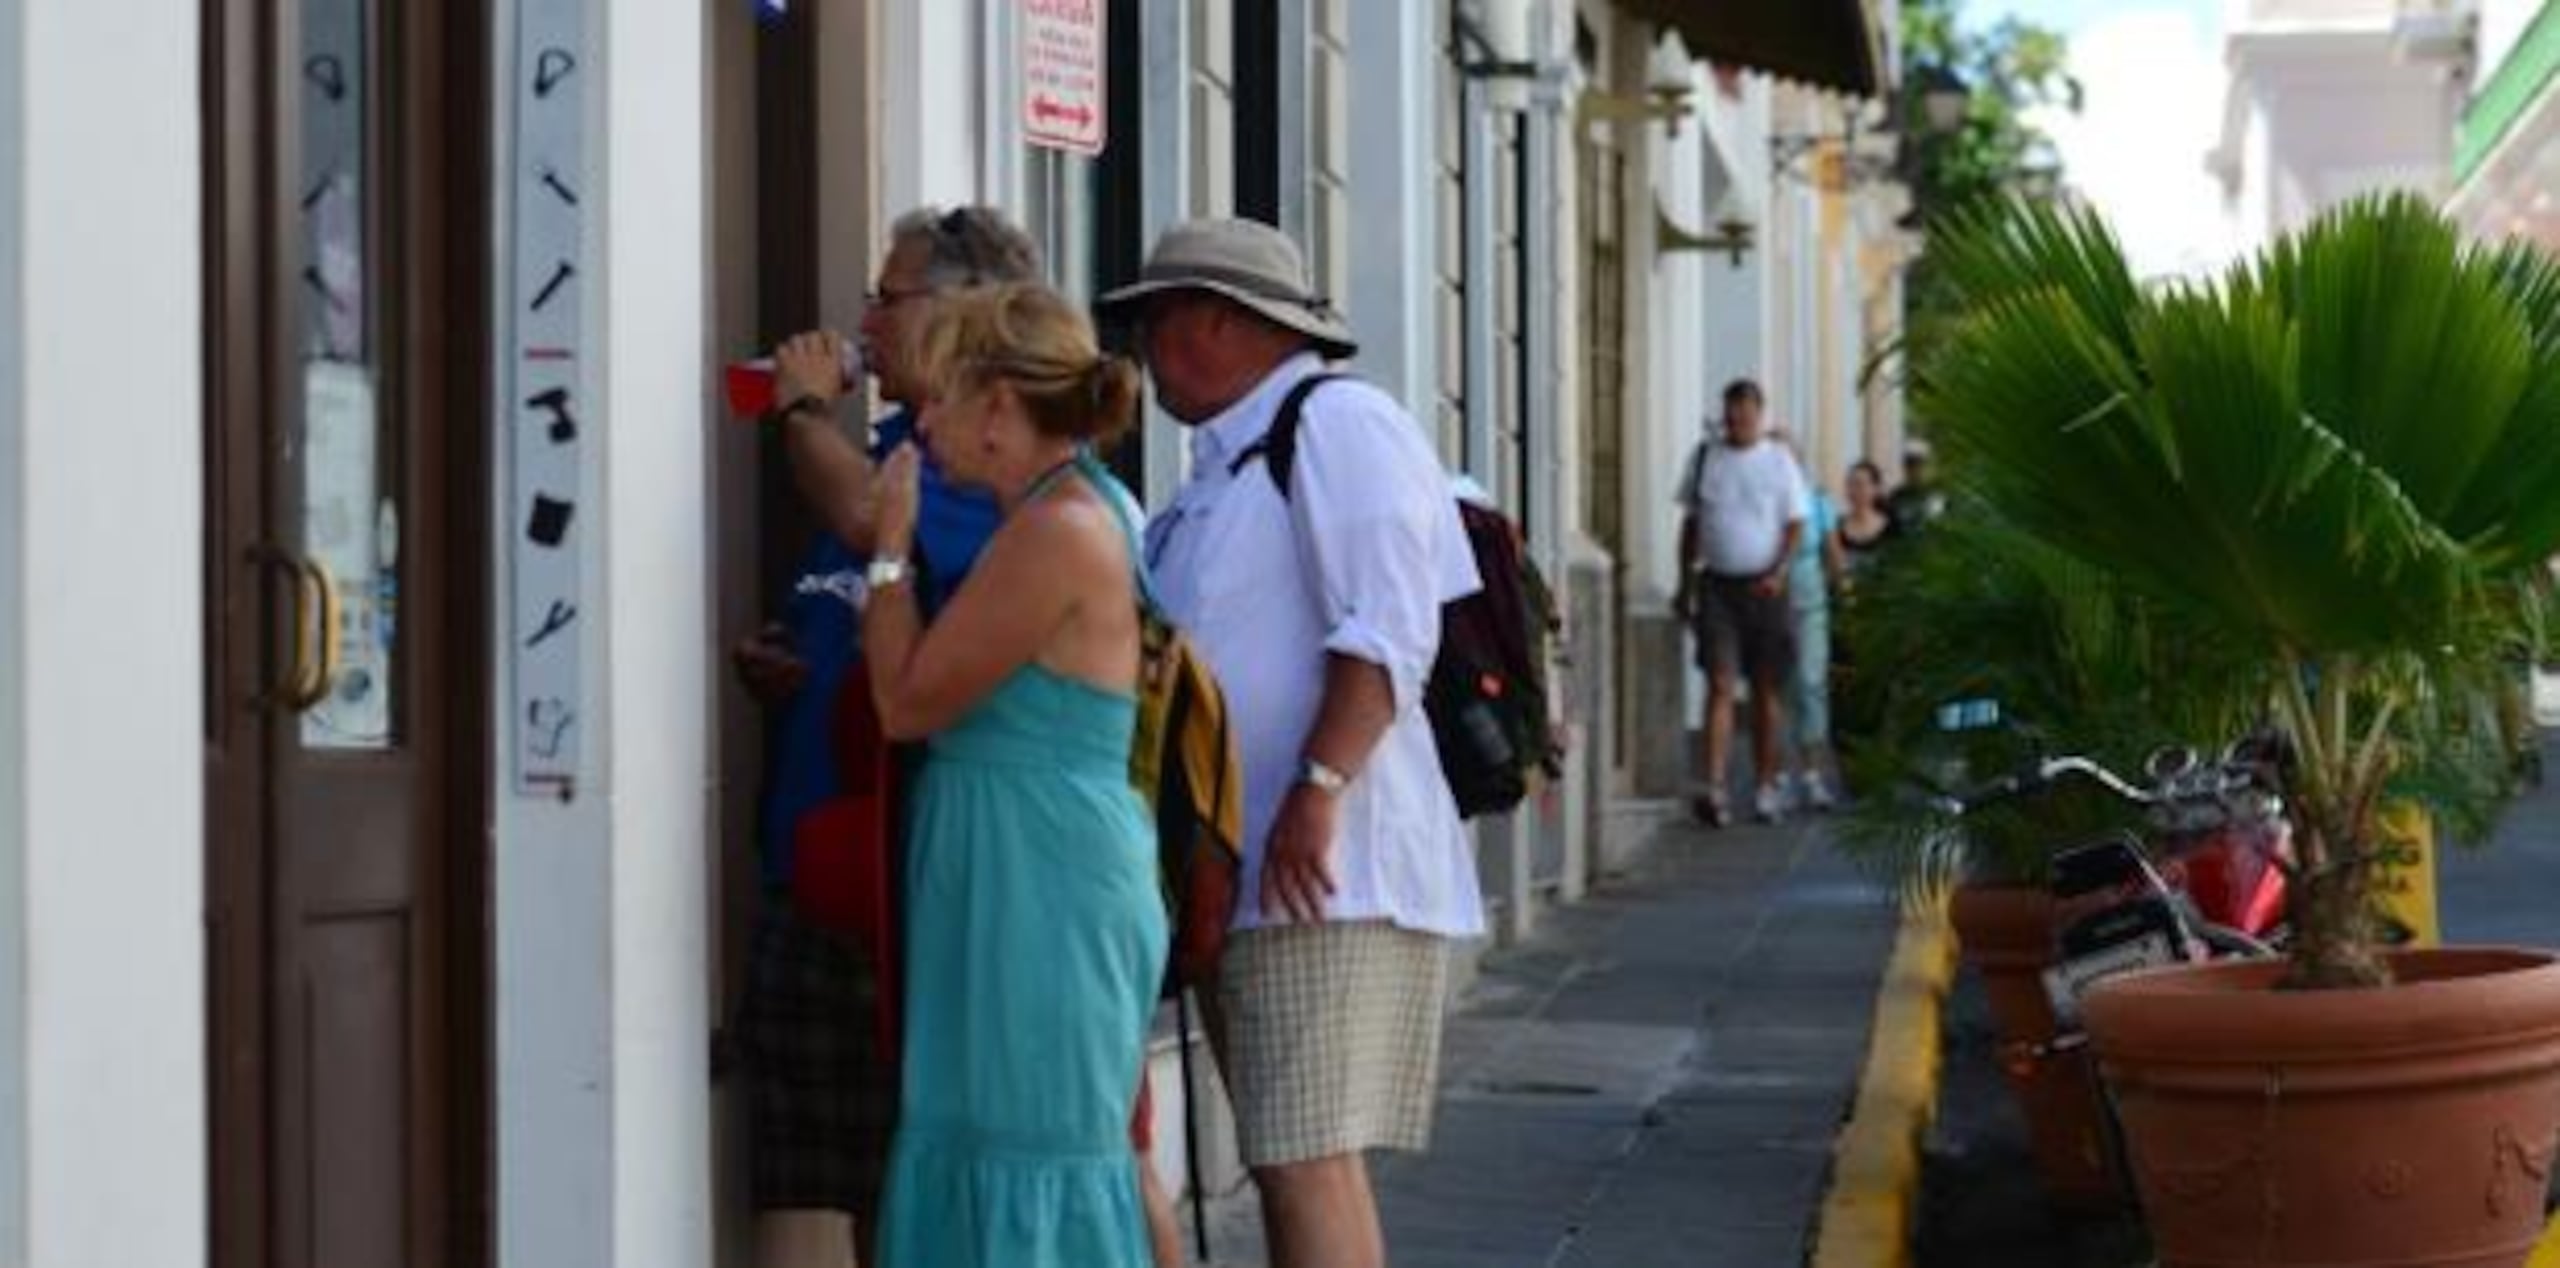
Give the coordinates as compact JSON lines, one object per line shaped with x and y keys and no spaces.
{"x":1769,"y":805}
{"x":1812,"y":793}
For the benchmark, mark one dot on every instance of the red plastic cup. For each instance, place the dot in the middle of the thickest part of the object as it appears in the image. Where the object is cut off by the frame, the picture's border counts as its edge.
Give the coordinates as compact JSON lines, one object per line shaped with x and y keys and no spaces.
{"x":750,"y":383}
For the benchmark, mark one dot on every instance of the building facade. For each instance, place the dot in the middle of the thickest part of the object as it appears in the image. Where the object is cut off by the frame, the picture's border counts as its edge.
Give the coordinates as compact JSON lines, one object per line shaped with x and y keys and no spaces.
{"x":2506,"y":145}
{"x":373,"y":800}
{"x":2330,"y":99}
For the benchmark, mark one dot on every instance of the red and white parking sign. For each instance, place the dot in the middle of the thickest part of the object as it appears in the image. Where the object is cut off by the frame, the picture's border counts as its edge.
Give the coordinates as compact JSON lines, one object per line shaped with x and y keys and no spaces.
{"x":1062,"y":74}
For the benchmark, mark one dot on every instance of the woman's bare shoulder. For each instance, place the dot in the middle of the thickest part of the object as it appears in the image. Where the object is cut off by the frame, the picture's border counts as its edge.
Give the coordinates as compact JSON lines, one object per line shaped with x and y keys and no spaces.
{"x":1073,"y":529}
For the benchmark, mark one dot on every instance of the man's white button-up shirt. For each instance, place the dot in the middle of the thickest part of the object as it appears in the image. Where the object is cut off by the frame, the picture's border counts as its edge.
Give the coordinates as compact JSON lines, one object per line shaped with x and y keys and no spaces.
{"x":1356,"y":562}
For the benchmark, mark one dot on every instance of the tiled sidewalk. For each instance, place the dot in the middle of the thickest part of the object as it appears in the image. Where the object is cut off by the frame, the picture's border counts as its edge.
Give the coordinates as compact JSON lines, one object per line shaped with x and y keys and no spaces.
{"x":1655,"y":1079}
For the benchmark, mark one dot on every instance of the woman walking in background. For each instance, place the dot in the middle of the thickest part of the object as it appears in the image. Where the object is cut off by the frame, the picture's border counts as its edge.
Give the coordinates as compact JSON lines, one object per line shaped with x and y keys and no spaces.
{"x":1036,"y":936}
{"x":1860,"y":536}
{"x":1865,"y":526}
{"x":1813,"y":572}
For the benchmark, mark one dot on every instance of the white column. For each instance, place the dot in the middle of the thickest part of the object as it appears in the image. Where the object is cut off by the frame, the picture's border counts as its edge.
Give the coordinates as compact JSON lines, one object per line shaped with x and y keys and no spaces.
{"x":1394,"y":49}
{"x":659,"y":652}
{"x":603,"y":1081}
{"x":1659,"y":437}
{"x":102,"y":1087}
{"x":1483,"y":266}
{"x":1164,"y":194}
{"x":1546,"y":329}
{"x":931,"y":103}
{"x":1296,"y":104}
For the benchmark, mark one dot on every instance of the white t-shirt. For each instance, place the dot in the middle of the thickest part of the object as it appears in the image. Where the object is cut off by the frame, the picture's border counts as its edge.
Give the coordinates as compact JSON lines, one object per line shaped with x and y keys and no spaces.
{"x":1743,"y":500}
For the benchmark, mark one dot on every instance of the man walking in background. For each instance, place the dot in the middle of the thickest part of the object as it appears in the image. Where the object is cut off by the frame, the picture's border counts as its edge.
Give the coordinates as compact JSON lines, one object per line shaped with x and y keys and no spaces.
{"x":1917,"y":500}
{"x":1743,"y":506}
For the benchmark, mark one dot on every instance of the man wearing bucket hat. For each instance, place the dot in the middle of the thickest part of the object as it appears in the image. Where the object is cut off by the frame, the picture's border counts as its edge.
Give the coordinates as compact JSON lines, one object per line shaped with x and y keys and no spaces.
{"x":1917,"y":500}
{"x":1319,"y":607}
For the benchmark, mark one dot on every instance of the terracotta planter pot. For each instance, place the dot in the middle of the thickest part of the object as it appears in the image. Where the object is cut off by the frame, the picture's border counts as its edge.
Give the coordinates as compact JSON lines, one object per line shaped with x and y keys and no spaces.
{"x":2007,"y":935}
{"x":2410,"y":1125}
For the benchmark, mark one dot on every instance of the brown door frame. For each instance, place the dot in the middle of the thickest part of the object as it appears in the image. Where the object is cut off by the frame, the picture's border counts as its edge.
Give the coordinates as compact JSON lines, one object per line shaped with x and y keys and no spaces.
{"x":443,"y":115}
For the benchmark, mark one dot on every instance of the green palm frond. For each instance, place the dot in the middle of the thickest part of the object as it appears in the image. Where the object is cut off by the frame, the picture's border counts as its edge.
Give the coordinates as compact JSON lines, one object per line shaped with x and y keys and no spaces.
{"x":2324,"y":452}
{"x":2513,"y":491}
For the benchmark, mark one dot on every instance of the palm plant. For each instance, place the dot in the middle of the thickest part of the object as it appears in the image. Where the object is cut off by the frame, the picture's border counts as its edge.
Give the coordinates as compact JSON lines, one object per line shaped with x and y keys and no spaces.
{"x":2336,"y":460}
{"x":1975,"y":609}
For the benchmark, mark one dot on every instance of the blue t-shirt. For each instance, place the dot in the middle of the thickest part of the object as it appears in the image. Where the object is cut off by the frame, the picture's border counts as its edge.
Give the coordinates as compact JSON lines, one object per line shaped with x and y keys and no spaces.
{"x":1807,"y":587}
{"x":824,"y":623}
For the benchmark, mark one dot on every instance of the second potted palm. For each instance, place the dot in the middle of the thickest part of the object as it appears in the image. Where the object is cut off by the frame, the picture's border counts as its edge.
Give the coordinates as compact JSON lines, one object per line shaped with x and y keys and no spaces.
{"x":2337,"y":461}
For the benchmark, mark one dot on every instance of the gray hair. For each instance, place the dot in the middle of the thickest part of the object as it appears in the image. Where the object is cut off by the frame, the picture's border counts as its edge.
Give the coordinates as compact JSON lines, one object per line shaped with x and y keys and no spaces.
{"x":968,"y":246}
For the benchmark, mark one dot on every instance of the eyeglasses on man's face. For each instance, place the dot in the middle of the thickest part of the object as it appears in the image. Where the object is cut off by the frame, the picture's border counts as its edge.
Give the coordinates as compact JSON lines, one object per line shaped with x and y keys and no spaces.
{"x":885,"y":297}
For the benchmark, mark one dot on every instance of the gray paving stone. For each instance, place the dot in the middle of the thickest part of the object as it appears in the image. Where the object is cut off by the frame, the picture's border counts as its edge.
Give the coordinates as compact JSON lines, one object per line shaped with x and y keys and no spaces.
{"x":1654,"y":1080}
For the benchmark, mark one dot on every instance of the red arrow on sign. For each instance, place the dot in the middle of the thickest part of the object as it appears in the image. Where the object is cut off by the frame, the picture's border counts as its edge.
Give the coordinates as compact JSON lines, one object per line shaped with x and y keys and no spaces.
{"x":1046,"y":109}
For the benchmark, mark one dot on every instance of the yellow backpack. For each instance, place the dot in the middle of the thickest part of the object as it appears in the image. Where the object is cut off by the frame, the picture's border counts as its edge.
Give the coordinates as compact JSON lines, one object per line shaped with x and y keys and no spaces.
{"x":1182,"y":759}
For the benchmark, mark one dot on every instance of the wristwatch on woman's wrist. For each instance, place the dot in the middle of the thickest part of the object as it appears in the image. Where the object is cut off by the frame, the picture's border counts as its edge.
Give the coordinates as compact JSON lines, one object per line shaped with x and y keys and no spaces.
{"x":887,"y":571}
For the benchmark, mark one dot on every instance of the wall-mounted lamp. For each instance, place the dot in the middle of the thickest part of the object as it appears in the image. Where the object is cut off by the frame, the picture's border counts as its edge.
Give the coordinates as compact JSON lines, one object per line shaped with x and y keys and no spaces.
{"x":1945,"y":100}
{"x":1670,"y":79}
{"x":1936,"y":102}
{"x":1838,"y":161}
{"x":1733,"y":233}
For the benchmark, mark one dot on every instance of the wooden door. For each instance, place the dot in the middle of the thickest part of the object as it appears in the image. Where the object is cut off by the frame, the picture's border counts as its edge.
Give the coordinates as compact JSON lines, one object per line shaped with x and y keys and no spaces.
{"x":345,"y":562}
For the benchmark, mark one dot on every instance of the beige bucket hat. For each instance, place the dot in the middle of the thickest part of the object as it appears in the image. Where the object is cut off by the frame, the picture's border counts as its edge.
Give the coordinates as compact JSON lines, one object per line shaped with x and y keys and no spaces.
{"x":1245,"y":261}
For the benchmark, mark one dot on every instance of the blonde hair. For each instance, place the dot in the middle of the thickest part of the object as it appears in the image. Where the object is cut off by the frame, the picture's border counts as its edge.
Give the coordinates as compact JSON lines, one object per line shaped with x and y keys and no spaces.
{"x":1032,"y":339}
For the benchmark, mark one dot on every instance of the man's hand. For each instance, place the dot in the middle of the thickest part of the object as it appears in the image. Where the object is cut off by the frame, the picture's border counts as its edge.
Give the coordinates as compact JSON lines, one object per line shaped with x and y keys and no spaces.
{"x":810,"y":364}
{"x":1771,"y":583}
{"x":1684,"y":601}
{"x":1297,"y":863}
{"x":766,"y":666}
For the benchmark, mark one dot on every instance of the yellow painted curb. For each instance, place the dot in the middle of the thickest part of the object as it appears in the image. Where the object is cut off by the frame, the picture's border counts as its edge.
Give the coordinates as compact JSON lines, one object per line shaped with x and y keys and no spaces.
{"x":1875,"y":1170}
{"x":2546,"y":1253}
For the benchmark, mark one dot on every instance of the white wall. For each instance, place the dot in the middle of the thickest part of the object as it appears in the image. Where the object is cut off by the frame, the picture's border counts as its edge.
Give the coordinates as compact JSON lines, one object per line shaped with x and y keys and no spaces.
{"x":102,"y":1090}
{"x":552,"y":860}
{"x":2328,"y":116}
{"x":1736,"y":295}
{"x":1659,"y":437}
{"x":602,"y":1046}
{"x":1391,"y":306}
{"x":2312,"y":13}
{"x":659,"y":649}
{"x":13,"y":676}
{"x":931,"y":100}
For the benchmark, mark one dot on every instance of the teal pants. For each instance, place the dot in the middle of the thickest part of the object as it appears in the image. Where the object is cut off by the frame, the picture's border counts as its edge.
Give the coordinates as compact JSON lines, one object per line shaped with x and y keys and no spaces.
{"x":1809,"y":688}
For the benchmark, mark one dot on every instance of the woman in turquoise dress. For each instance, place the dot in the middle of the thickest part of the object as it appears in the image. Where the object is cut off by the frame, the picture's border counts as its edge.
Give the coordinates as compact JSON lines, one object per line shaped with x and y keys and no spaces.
{"x":1035,"y":930}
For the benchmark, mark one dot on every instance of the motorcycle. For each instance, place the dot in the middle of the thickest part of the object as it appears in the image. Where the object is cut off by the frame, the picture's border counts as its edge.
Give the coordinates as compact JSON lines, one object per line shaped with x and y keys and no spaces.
{"x":2208,"y":882}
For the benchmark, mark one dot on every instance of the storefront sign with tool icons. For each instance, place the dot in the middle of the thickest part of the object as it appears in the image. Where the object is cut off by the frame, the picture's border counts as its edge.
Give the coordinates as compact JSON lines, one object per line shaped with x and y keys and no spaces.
{"x":548,"y":425}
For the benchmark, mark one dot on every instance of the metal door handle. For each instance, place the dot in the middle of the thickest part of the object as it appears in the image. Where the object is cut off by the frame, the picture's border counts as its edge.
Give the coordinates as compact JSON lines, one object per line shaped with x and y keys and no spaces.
{"x":315,"y":580}
{"x":306,"y":679}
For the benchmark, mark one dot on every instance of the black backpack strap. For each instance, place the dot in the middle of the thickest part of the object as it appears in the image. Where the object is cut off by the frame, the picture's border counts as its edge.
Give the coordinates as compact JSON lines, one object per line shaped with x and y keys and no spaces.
{"x":1190,"y":1125}
{"x":1278,"y":448}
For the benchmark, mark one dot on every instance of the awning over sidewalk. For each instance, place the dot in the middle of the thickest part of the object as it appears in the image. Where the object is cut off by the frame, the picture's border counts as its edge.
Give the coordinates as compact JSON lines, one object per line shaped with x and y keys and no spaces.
{"x":1826,"y":43}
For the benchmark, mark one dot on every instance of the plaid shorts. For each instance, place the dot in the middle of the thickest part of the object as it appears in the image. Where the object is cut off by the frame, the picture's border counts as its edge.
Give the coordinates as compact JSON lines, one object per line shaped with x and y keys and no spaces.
{"x":823,"y":1098}
{"x":1333,"y":1035}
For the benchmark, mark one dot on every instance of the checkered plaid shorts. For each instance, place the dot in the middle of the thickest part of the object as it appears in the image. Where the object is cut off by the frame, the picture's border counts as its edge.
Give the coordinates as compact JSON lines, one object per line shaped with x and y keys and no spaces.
{"x":1333,"y":1038}
{"x":823,"y":1098}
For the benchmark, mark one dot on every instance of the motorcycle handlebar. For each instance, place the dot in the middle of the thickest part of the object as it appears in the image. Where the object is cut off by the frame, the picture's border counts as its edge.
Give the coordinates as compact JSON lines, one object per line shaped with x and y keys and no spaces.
{"x":2020,"y":783}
